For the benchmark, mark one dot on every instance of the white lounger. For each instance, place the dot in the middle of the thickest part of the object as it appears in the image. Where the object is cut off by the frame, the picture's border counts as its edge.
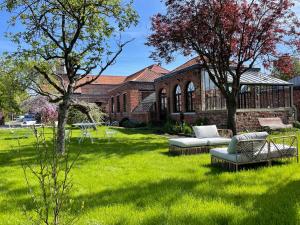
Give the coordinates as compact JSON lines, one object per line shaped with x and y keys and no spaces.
{"x":206,"y":137}
{"x":253,"y":148}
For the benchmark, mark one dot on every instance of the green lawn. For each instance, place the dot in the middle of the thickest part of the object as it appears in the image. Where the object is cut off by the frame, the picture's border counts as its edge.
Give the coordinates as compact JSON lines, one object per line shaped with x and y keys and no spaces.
{"x":132,"y":180}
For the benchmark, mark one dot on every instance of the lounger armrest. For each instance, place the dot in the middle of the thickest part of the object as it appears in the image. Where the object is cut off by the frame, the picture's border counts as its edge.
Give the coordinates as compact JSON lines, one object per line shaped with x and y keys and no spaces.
{"x":284,"y":137}
{"x":288,"y":139}
{"x":284,"y":145}
{"x":225,"y":133}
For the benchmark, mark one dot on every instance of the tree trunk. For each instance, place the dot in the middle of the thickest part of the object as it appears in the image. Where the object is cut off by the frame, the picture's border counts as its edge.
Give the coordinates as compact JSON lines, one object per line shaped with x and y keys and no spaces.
{"x":231,"y":114}
{"x":62,"y":120}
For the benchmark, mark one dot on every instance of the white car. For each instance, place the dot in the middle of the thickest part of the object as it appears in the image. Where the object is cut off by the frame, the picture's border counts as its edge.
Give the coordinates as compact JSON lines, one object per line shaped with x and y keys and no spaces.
{"x":29,"y":120}
{"x":19,"y":118}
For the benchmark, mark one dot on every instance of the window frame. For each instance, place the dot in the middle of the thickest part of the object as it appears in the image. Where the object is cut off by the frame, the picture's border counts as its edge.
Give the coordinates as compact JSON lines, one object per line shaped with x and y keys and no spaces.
{"x":125,"y":102}
{"x":163,"y":100}
{"x":112,"y":105}
{"x":118,"y":104}
{"x":177,"y":99}
{"x":190,"y":96}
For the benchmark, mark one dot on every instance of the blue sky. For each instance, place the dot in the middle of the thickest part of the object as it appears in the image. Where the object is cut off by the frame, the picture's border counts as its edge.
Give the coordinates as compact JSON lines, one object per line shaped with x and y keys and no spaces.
{"x":136,"y":54}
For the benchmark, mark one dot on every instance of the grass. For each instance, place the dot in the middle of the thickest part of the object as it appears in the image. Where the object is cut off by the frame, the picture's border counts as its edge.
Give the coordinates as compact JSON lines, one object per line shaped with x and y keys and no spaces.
{"x":131,"y":180}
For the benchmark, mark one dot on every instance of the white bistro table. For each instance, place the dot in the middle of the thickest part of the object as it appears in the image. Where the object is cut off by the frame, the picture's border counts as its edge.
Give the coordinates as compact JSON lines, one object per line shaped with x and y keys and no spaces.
{"x":84,"y":130}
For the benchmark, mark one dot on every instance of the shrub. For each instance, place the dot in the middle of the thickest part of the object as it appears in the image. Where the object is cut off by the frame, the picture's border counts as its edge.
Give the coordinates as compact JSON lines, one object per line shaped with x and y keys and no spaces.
{"x":202,"y":121}
{"x":122,"y":121}
{"x":187,"y":129}
{"x":297,"y":124}
{"x":171,"y":127}
{"x":96,"y":112}
{"x":76,"y":116}
{"x":168,"y":127}
{"x":131,"y":123}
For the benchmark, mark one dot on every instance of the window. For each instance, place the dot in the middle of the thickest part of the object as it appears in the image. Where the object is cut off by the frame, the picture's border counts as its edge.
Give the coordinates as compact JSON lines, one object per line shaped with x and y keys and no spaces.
{"x":112,"y":105}
{"x":274,"y":96}
{"x":124,"y":102}
{"x":177,"y":99}
{"x":118,"y":104}
{"x":214,"y":100}
{"x":163,"y":100}
{"x":190,"y":96}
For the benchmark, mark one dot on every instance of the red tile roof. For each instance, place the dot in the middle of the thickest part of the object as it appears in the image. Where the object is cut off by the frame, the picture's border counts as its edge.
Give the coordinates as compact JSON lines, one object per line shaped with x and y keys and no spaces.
{"x":187,"y":64}
{"x":106,"y":79}
{"x":148,"y":74}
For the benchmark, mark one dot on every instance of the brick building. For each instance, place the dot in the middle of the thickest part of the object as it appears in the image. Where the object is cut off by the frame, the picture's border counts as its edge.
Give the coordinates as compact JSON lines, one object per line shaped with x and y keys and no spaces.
{"x":97,"y":92}
{"x":188,"y":92}
{"x":134,"y":98}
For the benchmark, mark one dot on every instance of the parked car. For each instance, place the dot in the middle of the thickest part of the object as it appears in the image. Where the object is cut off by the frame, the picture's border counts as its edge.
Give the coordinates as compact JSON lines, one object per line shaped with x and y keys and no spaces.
{"x":29,"y":119}
{"x":19,"y":118}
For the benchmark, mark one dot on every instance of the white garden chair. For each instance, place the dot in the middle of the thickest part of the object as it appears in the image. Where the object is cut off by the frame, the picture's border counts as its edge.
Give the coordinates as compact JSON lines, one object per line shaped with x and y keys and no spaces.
{"x":109,"y":133}
{"x":85,"y":134}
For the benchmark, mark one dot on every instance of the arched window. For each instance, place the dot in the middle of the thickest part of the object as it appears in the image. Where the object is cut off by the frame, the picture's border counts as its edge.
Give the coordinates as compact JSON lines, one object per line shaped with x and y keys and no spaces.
{"x":177,"y":99}
{"x":163,"y":100}
{"x":190,"y":96}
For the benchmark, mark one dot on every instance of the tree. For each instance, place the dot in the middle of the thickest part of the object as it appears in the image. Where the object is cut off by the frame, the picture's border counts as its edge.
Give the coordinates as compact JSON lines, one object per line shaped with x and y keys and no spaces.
{"x":229,"y":36}
{"x":78,"y":34}
{"x":42,"y":107}
{"x":12,"y":87}
{"x":286,"y":67}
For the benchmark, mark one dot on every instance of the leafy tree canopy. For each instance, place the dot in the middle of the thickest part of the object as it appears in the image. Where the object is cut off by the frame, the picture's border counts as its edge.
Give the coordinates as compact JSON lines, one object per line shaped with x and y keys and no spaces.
{"x":13,"y":87}
{"x":286,"y":67}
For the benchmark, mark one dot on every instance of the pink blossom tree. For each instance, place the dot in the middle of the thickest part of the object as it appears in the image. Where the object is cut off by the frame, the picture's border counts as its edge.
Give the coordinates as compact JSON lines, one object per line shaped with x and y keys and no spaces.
{"x":229,"y":36}
{"x":41,"y":106}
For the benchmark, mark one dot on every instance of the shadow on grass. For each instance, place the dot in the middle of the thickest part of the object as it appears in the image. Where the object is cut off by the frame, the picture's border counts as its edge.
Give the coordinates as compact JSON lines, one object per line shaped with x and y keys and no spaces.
{"x":14,"y":197}
{"x":279,"y":205}
{"x":102,"y":147}
{"x":252,"y":166}
{"x":164,"y":193}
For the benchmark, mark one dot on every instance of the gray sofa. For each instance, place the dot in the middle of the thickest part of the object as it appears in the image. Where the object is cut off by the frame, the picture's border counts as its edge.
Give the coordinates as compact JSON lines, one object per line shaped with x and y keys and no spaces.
{"x":205,"y":138}
{"x":254,"y":148}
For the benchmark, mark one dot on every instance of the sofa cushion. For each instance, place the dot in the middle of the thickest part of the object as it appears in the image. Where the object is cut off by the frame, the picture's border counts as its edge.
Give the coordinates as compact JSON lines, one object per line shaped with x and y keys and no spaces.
{"x":217,"y":141}
{"x":210,"y":131}
{"x":247,"y":136}
{"x":188,"y":142}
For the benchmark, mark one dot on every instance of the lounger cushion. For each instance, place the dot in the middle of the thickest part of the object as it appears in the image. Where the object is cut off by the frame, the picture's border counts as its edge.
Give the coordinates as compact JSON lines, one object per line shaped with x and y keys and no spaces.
{"x":188,"y":142}
{"x":210,"y":131}
{"x":217,"y":141}
{"x":222,"y":153}
{"x":248,"y":136}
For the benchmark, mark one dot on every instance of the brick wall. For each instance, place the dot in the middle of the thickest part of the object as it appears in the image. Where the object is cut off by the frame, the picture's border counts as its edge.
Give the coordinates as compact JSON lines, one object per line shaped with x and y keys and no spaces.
{"x":297,"y":100}
{"x":246,"y":119}
{"x":182,"y":80}
{"x":96,"y":93}
{"x":136,"y":92}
